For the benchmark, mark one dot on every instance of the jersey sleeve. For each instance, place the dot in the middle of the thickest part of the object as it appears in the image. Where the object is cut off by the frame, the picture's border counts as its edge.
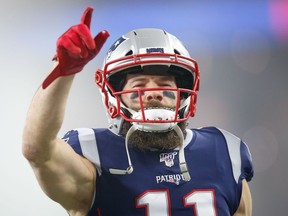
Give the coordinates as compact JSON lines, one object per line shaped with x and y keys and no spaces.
{"x":240,"y":157}
{"x":72,"y":138}
{"x":83,"y":141}
{"x":247,"y":170}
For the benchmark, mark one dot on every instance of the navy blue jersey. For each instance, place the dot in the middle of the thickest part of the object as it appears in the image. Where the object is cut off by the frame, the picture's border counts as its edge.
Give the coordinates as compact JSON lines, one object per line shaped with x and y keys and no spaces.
{"x":217,"y":162}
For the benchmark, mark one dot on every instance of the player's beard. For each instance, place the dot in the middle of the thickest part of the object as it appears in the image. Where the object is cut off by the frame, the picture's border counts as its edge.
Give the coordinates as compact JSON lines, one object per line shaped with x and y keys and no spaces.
{"x":153,"y":140}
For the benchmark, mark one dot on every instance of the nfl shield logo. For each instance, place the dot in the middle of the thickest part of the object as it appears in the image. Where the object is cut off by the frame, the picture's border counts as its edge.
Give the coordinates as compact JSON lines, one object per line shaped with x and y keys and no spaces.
{"x":168,"y":158}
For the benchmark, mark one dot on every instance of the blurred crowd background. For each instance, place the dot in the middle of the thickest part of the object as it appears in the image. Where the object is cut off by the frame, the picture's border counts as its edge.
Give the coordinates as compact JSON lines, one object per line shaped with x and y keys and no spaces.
{"x":242,"y":50}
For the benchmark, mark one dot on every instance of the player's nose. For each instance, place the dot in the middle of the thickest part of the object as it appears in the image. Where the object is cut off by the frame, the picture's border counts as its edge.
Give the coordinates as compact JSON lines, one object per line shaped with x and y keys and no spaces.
{"x":153,"y":95}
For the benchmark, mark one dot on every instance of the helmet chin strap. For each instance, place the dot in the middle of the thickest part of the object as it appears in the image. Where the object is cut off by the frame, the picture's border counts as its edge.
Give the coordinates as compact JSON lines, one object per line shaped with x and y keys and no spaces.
{"x":129,"y":169}
{"x":182,"y":161}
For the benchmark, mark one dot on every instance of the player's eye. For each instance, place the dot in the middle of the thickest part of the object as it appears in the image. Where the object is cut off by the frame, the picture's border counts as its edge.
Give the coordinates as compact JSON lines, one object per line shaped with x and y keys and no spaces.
{"x":138,"y":85}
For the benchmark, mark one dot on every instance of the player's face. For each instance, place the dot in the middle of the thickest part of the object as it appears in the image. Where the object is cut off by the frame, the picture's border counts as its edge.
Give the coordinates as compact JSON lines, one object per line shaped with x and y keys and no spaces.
{"x":155,"y":98}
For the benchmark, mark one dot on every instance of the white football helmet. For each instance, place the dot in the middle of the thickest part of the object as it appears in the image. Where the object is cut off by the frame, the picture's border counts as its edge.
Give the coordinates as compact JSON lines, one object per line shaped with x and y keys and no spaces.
{"x":152,"y":51}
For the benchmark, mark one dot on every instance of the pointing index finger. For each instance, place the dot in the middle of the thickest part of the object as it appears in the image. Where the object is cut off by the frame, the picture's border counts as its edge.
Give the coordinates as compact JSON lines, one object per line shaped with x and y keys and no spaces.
{"x":86,"y":16}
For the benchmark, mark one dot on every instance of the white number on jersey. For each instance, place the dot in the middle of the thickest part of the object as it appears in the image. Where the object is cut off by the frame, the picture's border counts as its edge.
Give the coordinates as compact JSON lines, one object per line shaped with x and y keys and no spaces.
{"x":157,"y":202}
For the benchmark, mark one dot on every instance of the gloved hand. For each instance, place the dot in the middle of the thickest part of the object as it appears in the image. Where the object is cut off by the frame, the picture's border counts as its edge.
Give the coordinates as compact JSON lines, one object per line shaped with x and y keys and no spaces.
{"x":75,"y":48}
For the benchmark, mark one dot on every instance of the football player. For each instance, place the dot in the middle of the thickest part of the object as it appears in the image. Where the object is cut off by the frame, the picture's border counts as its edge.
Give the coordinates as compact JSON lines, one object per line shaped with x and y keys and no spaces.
{"x":147,"y":162}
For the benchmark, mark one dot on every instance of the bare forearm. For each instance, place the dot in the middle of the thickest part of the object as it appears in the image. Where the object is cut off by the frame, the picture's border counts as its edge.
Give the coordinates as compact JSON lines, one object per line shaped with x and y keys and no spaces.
{"x":75,"y":48}
{"x":45,"y":117}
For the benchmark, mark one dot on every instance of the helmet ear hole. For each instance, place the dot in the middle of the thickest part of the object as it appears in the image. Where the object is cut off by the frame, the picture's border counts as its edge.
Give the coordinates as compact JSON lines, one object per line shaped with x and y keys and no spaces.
{"x":130,"y":52}
{"x":176,"y":52}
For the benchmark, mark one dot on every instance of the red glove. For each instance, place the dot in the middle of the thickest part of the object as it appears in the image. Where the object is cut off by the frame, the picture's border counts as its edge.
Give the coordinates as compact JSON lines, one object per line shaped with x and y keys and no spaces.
{"x":75,"y":48}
